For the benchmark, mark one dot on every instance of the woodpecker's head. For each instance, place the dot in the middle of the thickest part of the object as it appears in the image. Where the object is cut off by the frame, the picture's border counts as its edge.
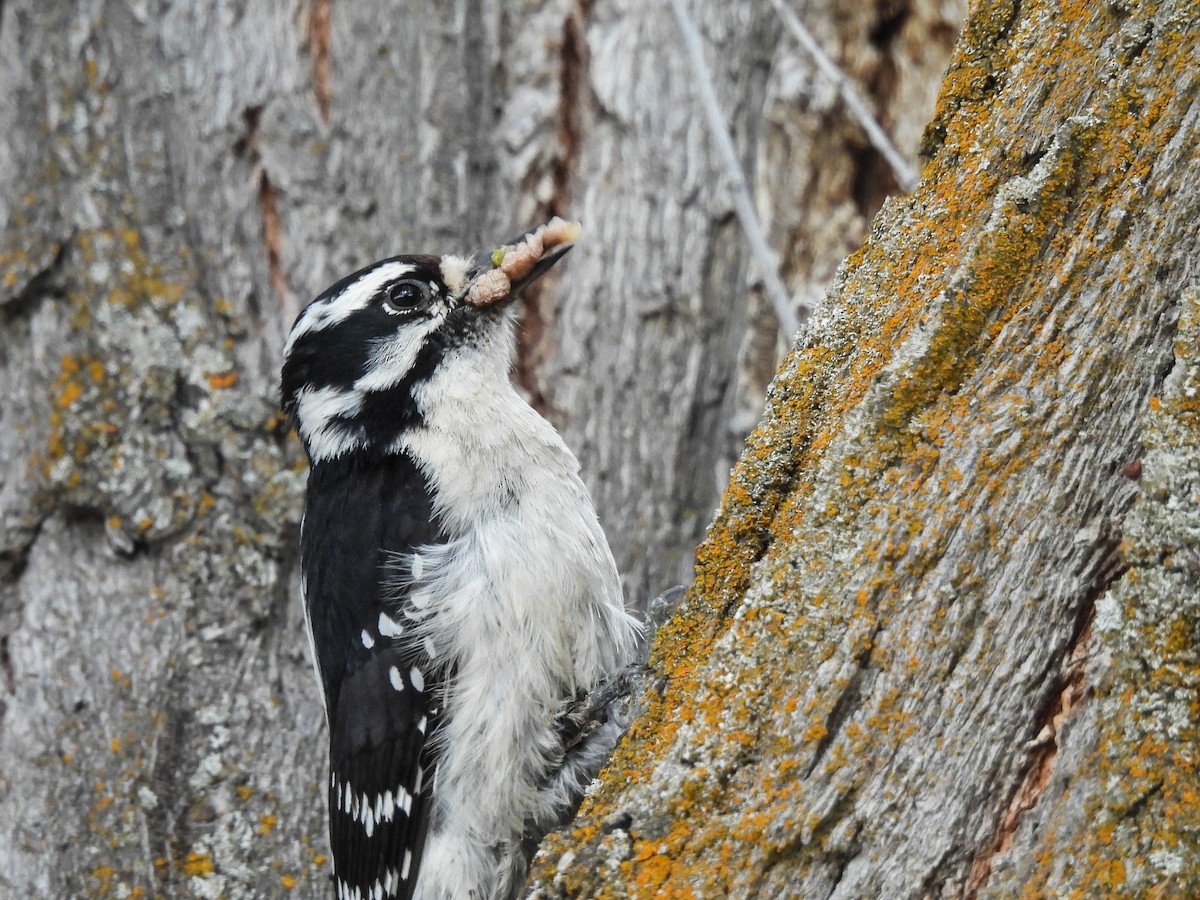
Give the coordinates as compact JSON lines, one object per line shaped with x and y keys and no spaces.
{"x":358,"y":354}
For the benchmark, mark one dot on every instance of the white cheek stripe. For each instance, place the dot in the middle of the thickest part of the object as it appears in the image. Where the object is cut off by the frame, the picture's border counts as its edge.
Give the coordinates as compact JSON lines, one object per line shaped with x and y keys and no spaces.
{"x":393,"y":357}
{"x":331,"y":443}
{"x":317,"y":407}
{"x":316,"y":411}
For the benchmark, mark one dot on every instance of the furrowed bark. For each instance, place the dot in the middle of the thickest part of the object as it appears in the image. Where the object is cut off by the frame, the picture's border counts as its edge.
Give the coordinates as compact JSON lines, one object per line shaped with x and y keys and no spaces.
{"x":653,"y":364}
{"x":942,"y":637}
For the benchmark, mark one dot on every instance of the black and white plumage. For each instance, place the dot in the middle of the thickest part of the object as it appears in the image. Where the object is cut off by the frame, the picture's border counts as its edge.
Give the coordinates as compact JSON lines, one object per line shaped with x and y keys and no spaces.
{"x":461,"y":598}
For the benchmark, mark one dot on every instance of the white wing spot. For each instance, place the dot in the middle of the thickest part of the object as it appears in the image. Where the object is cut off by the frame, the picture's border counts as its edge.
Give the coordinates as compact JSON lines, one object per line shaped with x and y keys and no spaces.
{"x":389,"y":806}
{"x":407,"y":863}
{"x":430,"y":648}
{"x":421,"y":725}
{"x":395,"y":678}
{"x":417,"y":679}
{"x":389,"y":627}
{"x":320,"y":412}
{"x":367,"y":640}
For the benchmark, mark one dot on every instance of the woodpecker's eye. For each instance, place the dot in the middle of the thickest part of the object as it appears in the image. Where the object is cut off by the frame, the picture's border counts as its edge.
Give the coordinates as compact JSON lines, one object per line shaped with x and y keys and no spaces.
{"x":405,"y":296}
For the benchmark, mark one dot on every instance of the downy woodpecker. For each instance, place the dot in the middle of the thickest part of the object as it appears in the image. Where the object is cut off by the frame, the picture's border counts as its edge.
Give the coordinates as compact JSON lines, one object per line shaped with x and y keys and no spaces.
{"x":461,"y":600}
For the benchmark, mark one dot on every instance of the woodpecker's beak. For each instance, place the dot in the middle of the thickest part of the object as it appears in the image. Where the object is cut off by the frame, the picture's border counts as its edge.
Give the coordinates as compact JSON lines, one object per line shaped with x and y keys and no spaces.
{"x":509,"y":269}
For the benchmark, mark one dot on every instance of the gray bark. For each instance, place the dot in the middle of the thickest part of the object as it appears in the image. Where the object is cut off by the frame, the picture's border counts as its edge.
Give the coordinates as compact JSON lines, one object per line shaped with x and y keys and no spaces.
{"x":656,"y":368}
{"x":942,"y":639}
{"x":176,"y":180}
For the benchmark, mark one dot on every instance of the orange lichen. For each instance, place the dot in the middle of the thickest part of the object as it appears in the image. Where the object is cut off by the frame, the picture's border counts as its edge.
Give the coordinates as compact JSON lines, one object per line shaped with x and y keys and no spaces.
{"x":221,"y":380}
{"x":963,"y":275}
{"x":71,"y":392}
{"x":198,"y":864}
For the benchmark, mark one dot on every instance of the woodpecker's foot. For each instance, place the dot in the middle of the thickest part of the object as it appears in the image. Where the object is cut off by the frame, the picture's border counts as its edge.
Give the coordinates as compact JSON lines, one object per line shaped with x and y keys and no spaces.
{"x":661,"y":608}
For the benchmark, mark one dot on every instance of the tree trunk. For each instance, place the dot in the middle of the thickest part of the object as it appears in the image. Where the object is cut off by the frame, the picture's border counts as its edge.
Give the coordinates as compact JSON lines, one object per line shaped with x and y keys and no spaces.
{"x":656,"y":369}
{"x":943,"y":639}
{"x":177,"y":179}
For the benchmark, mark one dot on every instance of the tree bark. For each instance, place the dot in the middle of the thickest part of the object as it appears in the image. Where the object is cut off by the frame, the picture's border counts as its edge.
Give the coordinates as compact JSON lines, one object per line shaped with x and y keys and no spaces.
{"x":656,"y":369}
{"x":177,"y":179}
{"x":942,"y":640}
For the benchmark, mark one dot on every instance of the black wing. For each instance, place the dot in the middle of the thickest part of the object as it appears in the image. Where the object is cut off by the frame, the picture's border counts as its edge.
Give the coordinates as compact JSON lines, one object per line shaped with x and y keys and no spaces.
{"x":381,"y":692}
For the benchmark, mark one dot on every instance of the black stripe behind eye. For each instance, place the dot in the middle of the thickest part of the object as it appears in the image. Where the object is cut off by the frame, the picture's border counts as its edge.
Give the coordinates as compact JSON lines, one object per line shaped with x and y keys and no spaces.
{"x":326,"y":358}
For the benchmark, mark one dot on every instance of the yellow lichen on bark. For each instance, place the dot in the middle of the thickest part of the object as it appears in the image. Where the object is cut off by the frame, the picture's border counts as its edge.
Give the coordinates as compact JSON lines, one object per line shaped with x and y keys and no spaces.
{"x":875,"y":509}
{"x":1141,"y":836}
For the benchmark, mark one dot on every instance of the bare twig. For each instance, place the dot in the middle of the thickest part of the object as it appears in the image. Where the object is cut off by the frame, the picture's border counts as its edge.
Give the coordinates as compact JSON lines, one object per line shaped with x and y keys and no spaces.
{"x":768,"y":262}
{"x":905,"y":176}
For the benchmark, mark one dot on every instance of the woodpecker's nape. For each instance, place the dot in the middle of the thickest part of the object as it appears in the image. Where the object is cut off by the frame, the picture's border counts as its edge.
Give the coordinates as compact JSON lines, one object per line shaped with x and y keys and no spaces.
{"x":463,"y":608}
